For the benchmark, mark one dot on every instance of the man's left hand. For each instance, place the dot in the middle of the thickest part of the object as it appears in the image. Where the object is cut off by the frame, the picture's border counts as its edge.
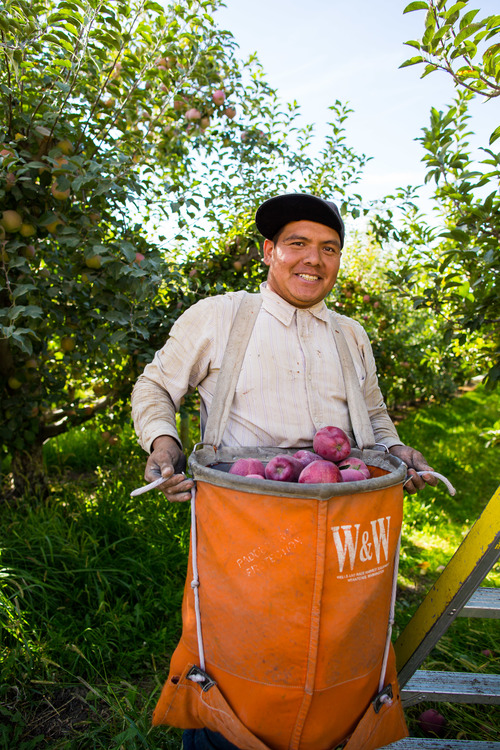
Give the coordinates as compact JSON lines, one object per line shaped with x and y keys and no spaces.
{"x":415,"y":462}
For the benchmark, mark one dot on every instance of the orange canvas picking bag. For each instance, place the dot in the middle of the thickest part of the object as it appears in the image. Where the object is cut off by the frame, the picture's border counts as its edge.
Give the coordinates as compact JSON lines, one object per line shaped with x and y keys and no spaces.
{"x":295,"y":598}
{"x":289,"y":595}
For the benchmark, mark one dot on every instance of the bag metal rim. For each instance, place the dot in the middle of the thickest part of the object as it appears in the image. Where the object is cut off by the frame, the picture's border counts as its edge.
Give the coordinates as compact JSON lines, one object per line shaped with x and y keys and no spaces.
{"x":201,"y":466}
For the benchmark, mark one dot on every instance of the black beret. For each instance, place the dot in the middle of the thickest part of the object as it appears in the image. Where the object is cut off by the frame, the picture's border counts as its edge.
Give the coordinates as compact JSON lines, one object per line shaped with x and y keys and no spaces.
{"x":274,"y":213}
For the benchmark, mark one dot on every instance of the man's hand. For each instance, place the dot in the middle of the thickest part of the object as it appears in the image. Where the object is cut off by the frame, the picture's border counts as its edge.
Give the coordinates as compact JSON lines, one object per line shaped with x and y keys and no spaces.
{"x":415,"y":462}
{"x":168,"y":460}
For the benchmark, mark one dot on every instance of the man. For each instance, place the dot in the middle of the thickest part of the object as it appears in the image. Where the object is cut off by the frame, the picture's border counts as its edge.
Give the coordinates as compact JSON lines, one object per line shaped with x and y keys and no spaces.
{"x":291,"y":382}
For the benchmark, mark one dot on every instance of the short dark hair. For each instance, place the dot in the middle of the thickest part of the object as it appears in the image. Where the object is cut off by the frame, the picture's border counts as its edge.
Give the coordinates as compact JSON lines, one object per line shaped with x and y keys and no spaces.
{"x":276,"y":237}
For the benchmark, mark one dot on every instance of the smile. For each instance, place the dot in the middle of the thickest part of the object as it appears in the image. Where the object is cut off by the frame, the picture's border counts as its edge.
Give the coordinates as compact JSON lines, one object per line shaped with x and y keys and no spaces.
{"x":308,"y":277}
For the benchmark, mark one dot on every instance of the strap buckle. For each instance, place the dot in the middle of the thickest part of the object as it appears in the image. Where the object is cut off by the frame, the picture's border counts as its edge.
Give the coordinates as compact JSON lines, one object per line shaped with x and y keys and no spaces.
{"x":385,"y":696}
{"x":196,"y":674}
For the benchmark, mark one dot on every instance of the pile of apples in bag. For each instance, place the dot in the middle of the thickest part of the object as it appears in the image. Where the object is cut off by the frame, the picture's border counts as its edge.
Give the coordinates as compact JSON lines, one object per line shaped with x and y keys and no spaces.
{"x":330,"y":461}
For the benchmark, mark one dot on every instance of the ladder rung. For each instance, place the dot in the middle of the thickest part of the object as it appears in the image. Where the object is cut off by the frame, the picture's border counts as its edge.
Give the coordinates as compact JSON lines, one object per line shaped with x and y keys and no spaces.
{"x":415,"y":743}
{"x":484,"y":602}
{"x":454,"y":687}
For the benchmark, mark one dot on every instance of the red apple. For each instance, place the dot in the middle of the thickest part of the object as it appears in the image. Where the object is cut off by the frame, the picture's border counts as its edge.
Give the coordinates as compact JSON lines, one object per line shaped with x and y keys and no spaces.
{"x":218,"y":96}
{"x":193,"y":114}
{"x":351,"y":462}
{"x":283,"y":468}
{"x":320,"y":472}
{"x":179,"y":103}
{"x":306,"y":457}
{"x":230,"y":112}
{"x":29,"y":251}
{"x":245,"y":466}
{"x":352,"y":475}
{"x":332,"y":443}
{"x":432,"y":722}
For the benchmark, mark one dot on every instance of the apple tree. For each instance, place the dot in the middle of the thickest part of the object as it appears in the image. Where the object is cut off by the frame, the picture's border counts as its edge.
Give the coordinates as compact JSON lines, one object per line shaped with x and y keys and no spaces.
{"x":454,"y":268}
{"x":109,"y":110}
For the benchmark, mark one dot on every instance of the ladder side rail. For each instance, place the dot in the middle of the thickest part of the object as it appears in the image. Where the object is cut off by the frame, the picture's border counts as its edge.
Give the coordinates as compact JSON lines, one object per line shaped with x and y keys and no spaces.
{"x":471,"y":562}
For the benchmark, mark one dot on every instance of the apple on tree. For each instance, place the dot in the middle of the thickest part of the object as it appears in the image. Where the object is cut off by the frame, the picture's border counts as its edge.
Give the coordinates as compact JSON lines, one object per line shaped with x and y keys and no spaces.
{"x":27,"y":230}
{"x":67,"y":344}
{"x":59,"y":195}
{"x":11,"y":220}
{"x":193,"y":114}
{"x":95,"y":261}
{"x":218,"y":96}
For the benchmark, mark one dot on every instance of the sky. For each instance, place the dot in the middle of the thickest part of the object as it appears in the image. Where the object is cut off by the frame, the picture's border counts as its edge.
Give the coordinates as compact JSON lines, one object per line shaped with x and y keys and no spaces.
{"x":317,"y":51}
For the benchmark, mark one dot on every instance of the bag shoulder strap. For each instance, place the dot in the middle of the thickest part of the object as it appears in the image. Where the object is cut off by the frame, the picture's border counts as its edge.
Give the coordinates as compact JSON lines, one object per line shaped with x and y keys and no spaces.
{"x":358,"y":412}
{"x":225,"y":386}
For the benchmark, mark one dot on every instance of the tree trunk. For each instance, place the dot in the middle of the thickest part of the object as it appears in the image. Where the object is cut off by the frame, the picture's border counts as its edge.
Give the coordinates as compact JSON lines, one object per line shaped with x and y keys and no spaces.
{"x":29,"y":473}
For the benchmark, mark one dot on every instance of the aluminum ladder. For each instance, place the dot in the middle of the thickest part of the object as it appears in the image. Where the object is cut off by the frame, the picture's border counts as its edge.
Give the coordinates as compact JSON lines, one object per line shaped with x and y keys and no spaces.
{"x":456,"y":593}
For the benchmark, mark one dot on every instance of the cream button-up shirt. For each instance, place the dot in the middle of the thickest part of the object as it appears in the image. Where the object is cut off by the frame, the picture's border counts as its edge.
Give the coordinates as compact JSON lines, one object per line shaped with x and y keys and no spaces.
{"x":290,"y":383}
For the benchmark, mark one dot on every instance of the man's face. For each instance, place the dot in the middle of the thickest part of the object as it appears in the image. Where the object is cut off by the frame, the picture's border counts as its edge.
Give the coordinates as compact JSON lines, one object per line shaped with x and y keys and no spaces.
{"x":304,"y":262}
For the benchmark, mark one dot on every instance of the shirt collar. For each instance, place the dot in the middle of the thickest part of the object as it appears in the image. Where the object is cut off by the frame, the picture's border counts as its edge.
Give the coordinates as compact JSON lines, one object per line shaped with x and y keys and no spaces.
{"x":284,"y":311}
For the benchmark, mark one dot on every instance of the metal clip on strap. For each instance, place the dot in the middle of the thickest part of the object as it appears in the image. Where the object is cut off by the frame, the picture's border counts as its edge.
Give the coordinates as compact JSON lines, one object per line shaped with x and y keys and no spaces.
{"x":196,"y":674}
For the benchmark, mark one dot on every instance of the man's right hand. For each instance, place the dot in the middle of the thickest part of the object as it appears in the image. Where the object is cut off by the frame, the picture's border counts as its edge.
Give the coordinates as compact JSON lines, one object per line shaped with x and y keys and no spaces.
{"x":168,"y":460}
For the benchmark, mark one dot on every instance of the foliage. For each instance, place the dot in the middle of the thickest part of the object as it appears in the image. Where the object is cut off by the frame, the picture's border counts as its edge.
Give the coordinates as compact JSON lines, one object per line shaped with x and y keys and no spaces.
{"x":120,"y":125}
{"x":92,"y":111}
{"x":413,"y":363}
{"x":91,"y":583}
{"x":227,"y":256}
{"x":456,"y":41}
{"x":454,"y":268}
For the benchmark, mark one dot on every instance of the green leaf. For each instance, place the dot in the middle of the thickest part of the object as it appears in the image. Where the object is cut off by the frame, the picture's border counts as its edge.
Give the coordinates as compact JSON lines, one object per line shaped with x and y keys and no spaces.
{"x":466,"y":32}
{"x":150,"y":5}
{"x":22,"y":289}
{"x":417,"y":5}
{"x":494,"y":135}
{"x":413,"y":43}
{"x":468,"y":18}
{"x":456,"y":234}
{"x":428,"y":69}
{"x":412,"y":61}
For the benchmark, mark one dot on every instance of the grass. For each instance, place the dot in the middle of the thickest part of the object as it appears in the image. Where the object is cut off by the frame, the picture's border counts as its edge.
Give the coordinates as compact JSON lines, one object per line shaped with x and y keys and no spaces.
{"x":91,"y":585}
{"x":455,"y":438}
